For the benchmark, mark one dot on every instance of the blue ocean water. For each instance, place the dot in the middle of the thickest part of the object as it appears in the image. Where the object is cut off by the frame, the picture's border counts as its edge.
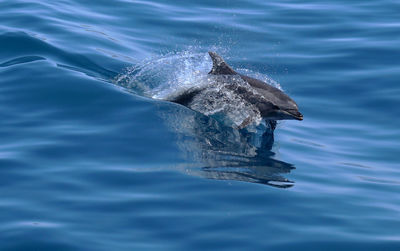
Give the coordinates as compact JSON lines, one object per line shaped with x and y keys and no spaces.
{"x":91,"y":158}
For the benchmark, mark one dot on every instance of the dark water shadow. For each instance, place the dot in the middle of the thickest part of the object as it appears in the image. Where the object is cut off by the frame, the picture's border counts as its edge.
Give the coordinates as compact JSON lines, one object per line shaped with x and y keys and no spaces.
{"x":225,"y":153}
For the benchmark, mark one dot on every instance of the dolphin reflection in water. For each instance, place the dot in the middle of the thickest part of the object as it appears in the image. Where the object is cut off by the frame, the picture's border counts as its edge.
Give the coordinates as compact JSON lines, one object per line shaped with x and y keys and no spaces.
{"x":225,"y":153}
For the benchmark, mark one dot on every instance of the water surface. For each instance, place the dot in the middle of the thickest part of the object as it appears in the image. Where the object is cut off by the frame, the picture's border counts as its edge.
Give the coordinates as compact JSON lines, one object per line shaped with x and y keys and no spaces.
{"x":88,"y":162}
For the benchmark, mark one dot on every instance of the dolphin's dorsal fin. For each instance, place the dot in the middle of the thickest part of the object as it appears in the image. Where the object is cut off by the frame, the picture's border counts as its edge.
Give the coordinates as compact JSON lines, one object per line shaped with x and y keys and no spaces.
{"x":219,"y":65}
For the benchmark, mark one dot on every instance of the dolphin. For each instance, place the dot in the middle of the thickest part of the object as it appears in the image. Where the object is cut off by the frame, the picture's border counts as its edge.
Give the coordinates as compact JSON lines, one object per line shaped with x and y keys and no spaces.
{"x":272,"y":103}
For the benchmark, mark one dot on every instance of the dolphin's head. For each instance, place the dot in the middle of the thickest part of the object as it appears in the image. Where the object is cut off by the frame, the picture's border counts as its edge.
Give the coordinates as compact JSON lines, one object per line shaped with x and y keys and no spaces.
{"x":282,"y":108}
{"x":272,"y":103}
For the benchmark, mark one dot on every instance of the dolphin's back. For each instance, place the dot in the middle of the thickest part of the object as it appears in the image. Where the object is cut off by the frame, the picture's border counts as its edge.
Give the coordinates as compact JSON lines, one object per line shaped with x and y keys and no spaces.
{"x":268,"y":91}
{"x":220,"y":67}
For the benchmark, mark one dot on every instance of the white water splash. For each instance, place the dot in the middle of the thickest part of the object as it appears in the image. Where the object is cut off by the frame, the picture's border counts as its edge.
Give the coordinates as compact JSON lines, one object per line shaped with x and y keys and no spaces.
{"x":161,"y":76}
{"x":219,"y":98}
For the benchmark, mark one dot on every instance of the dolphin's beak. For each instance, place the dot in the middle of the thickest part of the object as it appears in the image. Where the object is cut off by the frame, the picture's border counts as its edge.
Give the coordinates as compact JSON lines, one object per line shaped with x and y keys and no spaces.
{"x":295,"y":114}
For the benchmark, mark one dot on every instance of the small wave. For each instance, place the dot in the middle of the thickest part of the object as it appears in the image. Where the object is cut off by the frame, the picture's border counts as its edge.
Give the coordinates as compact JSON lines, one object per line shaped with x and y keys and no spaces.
{"x":21,"y":60}
{"x":24,"y":48}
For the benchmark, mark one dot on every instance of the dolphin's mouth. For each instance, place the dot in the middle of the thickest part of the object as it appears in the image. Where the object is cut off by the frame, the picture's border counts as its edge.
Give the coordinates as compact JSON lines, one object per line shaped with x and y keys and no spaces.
{"x":295,"y":114}
{"x":299,"y":117}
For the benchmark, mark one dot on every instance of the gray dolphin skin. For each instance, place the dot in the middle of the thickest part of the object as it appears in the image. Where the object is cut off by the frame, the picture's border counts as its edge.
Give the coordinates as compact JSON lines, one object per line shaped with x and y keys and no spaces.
{"x":271,"y":102}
